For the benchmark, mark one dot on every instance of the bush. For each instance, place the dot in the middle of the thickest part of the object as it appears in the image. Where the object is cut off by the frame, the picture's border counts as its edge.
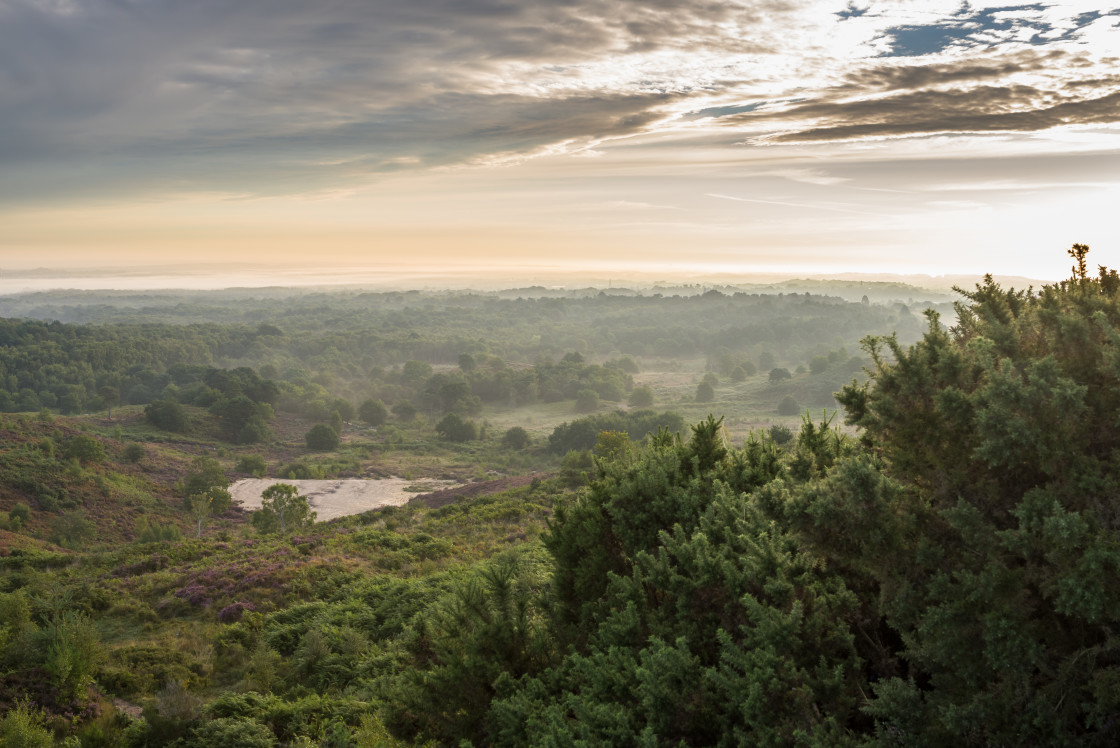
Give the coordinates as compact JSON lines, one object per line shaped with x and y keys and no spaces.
{"x":73,"y":652}
{"x":453,"y":428}
{"x":84,"y":448}
{"x":153,"y":532}
{"x":167,"y":415}
{"x":587,"y":401}
{"x":373,"y":412}
{"x":780,"y":434}
{"x":282,"y":510}
{"x":516,"y":438}
{"x":779,"y":375}
{"x":705,"y":392}
{"x":254,"y":465}
{"x":230,"y":733}
{"x":19,"y":514}
{"x":134,"y":453}
{"x":72,"y":530}
{"x":322,"y":438}
{"x":404,"y":410}
{"x":788,"y":407}
{"x":641,"y":397}
{"x":24,"y":727}
{"x":575,"y":467}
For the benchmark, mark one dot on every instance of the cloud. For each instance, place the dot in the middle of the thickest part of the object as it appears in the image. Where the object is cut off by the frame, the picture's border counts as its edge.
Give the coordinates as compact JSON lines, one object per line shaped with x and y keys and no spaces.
{"x":283,"y":96}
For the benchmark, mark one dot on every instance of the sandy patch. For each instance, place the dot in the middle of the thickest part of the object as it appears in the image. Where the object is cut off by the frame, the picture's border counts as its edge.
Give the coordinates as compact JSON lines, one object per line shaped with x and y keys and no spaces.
{"x":339,"y":498}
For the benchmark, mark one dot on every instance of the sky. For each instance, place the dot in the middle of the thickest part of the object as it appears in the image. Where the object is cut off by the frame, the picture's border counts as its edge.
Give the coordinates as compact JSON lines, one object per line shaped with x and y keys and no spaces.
{"x":729,"y":136}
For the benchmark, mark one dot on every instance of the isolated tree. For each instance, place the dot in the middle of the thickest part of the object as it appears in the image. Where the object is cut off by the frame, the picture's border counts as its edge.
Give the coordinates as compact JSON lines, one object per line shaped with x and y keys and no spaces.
{"x":456,"y":429}
{"x":779,"y":375}
{"x":209,"y":503}
{"x":516,"y":438}
{"x":705,"y":392}
{"x":282,"y":510}
{"x":641,"y":397}
{"x":373,"y":412}
{"x":205,"y":473}
{"x":587,"y":401}
{"x":321,"y":438}
{"x":110,"y":396}
{"x":788,"y":406}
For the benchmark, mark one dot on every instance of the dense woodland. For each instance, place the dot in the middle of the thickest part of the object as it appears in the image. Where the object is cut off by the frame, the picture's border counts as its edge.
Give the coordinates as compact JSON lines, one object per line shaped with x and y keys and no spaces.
{"x":938,"y":564}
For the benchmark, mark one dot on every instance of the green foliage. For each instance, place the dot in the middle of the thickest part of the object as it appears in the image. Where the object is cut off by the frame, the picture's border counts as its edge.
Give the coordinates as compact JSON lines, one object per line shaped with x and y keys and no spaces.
{"x":243,"y":420}
{"x":211,"y":502}
{"x":134,"y":452}
{"x":575,"y":467}
{"x":282,"y":510}
{"x":999,"y":447}
{"x":582,"y":433}
{"x":254,"y":465}
{"x":779,"y":375}
{"x":205,"y":473}
{"x":780,"y":434}
{"x":231,"y":732}
{"x":73,"y":651}
{"x":612,"y":445}
{"x":516,"y":438}
{"x":641,"y":397}
{"x":373,"y":412}
{"x":456,"y":429}
{"x":24,"y":727}
{"x":19,"y":515}
{"x":788,"y":406}
{"x":168,"y":415}
{"x":72,"y":530}
{"x":587,"y":401}
{"x":404,"y":410}
{"x":486,"y":629}
{"x":155,"y":532}
{"x":85,"y":448}
{"x":686,"y":614}
{"x":705,"y":392}
{"x":322,"y":438}
{"x":415,"y":371}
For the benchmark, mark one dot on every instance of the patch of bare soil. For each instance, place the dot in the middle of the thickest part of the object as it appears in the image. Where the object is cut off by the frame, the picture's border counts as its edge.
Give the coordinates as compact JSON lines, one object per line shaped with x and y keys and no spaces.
{"x":341,"y":497}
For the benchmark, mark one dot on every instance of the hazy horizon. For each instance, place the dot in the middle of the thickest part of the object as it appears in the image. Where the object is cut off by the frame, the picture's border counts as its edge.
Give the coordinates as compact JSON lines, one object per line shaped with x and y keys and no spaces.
{"x":250,"y":277}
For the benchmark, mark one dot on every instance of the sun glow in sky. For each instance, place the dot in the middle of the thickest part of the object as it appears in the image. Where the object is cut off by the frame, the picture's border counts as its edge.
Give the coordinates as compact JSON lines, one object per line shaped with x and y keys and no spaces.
{"x":813,"y":136}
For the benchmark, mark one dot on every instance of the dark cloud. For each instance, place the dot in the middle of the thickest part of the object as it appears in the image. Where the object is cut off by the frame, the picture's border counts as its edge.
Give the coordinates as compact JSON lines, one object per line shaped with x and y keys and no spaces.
{"x":273,"y":95}
{"x":910,"y":77}
{"x":984,"y":109}
{"x":142,"y":83}
{"x":970,"y":95}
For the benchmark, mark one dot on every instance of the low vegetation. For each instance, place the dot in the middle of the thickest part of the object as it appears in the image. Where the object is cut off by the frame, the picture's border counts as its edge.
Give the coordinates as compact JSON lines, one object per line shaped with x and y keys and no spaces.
{"x":934,"y":567}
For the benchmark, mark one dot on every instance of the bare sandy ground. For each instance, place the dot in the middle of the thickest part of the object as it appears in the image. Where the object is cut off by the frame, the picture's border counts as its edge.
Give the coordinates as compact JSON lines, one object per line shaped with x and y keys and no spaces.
{"x":338,"y":498}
